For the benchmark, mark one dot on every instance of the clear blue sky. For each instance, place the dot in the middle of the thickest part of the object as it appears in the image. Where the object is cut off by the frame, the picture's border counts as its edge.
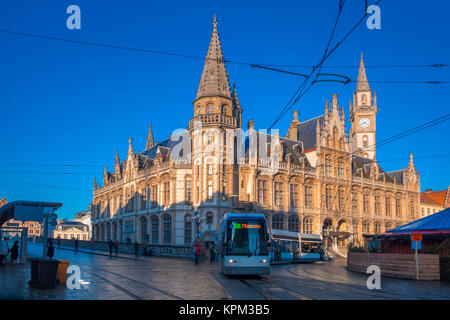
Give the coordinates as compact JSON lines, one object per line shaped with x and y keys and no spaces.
{"x":65,"y":103}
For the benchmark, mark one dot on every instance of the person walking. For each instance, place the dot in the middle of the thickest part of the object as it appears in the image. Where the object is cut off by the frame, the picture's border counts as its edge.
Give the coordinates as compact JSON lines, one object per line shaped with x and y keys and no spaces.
{"x":15,"y":252}
{"x":212,"y":252}
{"x":3,"y":251}
{"x":50,"y":250}
{"x":111,"y":246}
{"x":136,"y":248}
{"x":196,"y":251}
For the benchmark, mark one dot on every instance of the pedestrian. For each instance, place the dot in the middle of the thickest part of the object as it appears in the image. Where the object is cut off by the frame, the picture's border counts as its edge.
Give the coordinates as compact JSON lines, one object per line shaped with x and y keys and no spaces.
{"x":3,"y":251}
{"x":116,"y":247}
{"x":110,"y":245}
{"x":212,"y":252}
{"x":15,"y":252}
{"x":196,"y":251}
{"x":136,"y":248}
{"x":50,"y":250}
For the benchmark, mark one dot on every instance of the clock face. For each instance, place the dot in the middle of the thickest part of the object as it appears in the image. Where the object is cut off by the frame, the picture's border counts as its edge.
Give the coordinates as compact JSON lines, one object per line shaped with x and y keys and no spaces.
{"x":364,"y":122}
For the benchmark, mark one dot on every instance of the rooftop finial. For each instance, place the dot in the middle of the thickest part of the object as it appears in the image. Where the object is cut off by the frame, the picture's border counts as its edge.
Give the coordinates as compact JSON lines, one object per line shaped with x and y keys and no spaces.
{"x":130,"y":146}
{"x":149,"y":143}
{"x":215,"y":24}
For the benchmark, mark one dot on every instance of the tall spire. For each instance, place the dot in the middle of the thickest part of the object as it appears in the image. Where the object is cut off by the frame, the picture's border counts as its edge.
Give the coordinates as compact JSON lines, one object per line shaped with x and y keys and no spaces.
{"x":362,"y":84}
{"x":149,"y":143}
{"x":214,"y":81}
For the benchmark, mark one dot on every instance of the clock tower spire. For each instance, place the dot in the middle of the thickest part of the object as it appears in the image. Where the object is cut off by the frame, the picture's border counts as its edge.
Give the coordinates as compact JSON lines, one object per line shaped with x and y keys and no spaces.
{"x":363,"y":113}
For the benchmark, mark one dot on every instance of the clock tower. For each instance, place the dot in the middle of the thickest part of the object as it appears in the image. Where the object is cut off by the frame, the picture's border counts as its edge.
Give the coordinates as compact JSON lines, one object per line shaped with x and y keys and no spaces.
{"x":363,"y":113}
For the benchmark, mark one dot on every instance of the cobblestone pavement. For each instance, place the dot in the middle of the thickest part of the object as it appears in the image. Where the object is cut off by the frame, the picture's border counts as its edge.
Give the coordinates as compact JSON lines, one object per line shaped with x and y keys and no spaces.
{"x":130,"y":277}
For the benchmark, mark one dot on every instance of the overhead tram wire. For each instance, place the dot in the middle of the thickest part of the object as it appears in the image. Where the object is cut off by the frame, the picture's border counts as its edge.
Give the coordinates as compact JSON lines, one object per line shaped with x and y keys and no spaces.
{"x":328,"y":53}
{"x":48,"y":165}
{"x":396,"y":137}
{"x":181,"y":55}
{"x":318,"y":67}
{"x":305,"y":81}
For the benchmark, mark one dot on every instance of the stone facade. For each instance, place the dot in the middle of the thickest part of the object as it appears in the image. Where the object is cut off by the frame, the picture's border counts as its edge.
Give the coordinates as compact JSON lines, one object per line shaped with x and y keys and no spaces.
{"x":318,"y":178}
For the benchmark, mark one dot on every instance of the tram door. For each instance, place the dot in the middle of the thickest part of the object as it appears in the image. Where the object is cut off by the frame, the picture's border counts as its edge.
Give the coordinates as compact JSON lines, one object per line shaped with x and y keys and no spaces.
{"x":295,"y":252}
{"x":276,"y":247}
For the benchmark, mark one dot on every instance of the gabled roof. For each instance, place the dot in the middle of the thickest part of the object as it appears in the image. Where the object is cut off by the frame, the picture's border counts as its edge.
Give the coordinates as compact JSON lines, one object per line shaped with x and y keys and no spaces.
{"x":306,"y":132}
{"x":434,"y":197}
{"x":163,"y":148}
{"x":398,"y":175}
{"x":290,"y":147}
{"x":362,"y":165}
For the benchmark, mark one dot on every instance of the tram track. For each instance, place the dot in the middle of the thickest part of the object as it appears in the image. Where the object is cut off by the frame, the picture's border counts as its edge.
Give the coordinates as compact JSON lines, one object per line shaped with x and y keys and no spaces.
{"x":273,"y":286}
{"x":126,"y":291}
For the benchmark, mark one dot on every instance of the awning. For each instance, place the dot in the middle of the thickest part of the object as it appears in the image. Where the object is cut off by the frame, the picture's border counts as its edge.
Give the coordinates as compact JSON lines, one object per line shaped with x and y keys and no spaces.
{"x":25,"y":210}
{"x":438,"y":223}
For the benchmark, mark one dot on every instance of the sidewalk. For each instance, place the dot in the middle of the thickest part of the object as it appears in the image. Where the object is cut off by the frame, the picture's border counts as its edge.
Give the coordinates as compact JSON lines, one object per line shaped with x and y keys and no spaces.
{"x":14,"y":286}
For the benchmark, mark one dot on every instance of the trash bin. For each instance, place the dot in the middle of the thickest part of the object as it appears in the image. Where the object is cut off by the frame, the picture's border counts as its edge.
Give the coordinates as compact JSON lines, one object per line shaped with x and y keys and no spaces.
{"x":61,"y":276}
{"x":43,"y":273}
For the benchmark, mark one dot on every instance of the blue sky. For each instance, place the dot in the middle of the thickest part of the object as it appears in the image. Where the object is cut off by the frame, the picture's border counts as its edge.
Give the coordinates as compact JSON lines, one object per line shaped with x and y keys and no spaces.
{"x":66,"y":103}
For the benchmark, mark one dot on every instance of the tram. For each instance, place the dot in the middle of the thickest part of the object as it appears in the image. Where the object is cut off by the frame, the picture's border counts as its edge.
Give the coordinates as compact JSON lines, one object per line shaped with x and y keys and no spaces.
{"x":243,"y":244}
{"x":294,"y":247}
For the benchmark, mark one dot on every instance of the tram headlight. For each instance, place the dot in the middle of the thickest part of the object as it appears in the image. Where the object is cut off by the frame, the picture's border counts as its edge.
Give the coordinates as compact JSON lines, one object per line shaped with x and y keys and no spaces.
{"x":263,"y":261}
{"x":232,"y":261}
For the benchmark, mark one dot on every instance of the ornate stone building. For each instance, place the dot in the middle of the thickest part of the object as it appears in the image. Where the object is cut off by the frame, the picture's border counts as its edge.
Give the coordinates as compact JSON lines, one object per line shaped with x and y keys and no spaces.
{"x":325,"y":179}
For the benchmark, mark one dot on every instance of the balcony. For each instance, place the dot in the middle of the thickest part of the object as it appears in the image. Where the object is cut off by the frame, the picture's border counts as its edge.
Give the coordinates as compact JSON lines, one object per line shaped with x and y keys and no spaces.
{"x":217,"y":118}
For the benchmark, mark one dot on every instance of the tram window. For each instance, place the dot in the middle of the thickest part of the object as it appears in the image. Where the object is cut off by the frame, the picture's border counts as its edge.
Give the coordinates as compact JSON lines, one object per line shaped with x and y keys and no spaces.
{"x":246,"y":238}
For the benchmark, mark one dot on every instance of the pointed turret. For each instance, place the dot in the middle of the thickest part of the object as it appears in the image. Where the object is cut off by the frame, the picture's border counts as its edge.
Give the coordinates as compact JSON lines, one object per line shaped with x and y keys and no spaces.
{"x":149,"y":143}
{"x":214,"y":81}
{"x":105,"y":176}
{"x":130,"y":146}
{"x":116,"y":159}
{"x":362,"y":84}
{"x":94,"y":185}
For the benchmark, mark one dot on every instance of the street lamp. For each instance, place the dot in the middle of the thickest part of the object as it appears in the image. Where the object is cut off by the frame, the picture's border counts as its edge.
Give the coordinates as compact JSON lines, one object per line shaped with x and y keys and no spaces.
{"x":197,"y":220}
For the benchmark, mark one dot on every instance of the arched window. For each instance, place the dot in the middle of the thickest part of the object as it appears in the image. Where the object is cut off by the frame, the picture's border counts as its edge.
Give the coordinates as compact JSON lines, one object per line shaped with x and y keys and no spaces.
{"x":114,"y":231}
{"x":144,"y":237}
{"x":328,"y":165}
{"x":155,"y":229}
{"x":210,"y":109}
{"x":365,"y":140}
{"x":209,"y":218}
{"x":278,"y":222}
{"x":377,"y":228}
{"x":293,"y":223}
{"x":307,"y":225}
{"x":355,"y":227}
{"x":187,"y":229}
{"x":364,"y":99}
{"x":366,"y":227}
{"x":388,"y":226}
{"x":167,"y":229}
